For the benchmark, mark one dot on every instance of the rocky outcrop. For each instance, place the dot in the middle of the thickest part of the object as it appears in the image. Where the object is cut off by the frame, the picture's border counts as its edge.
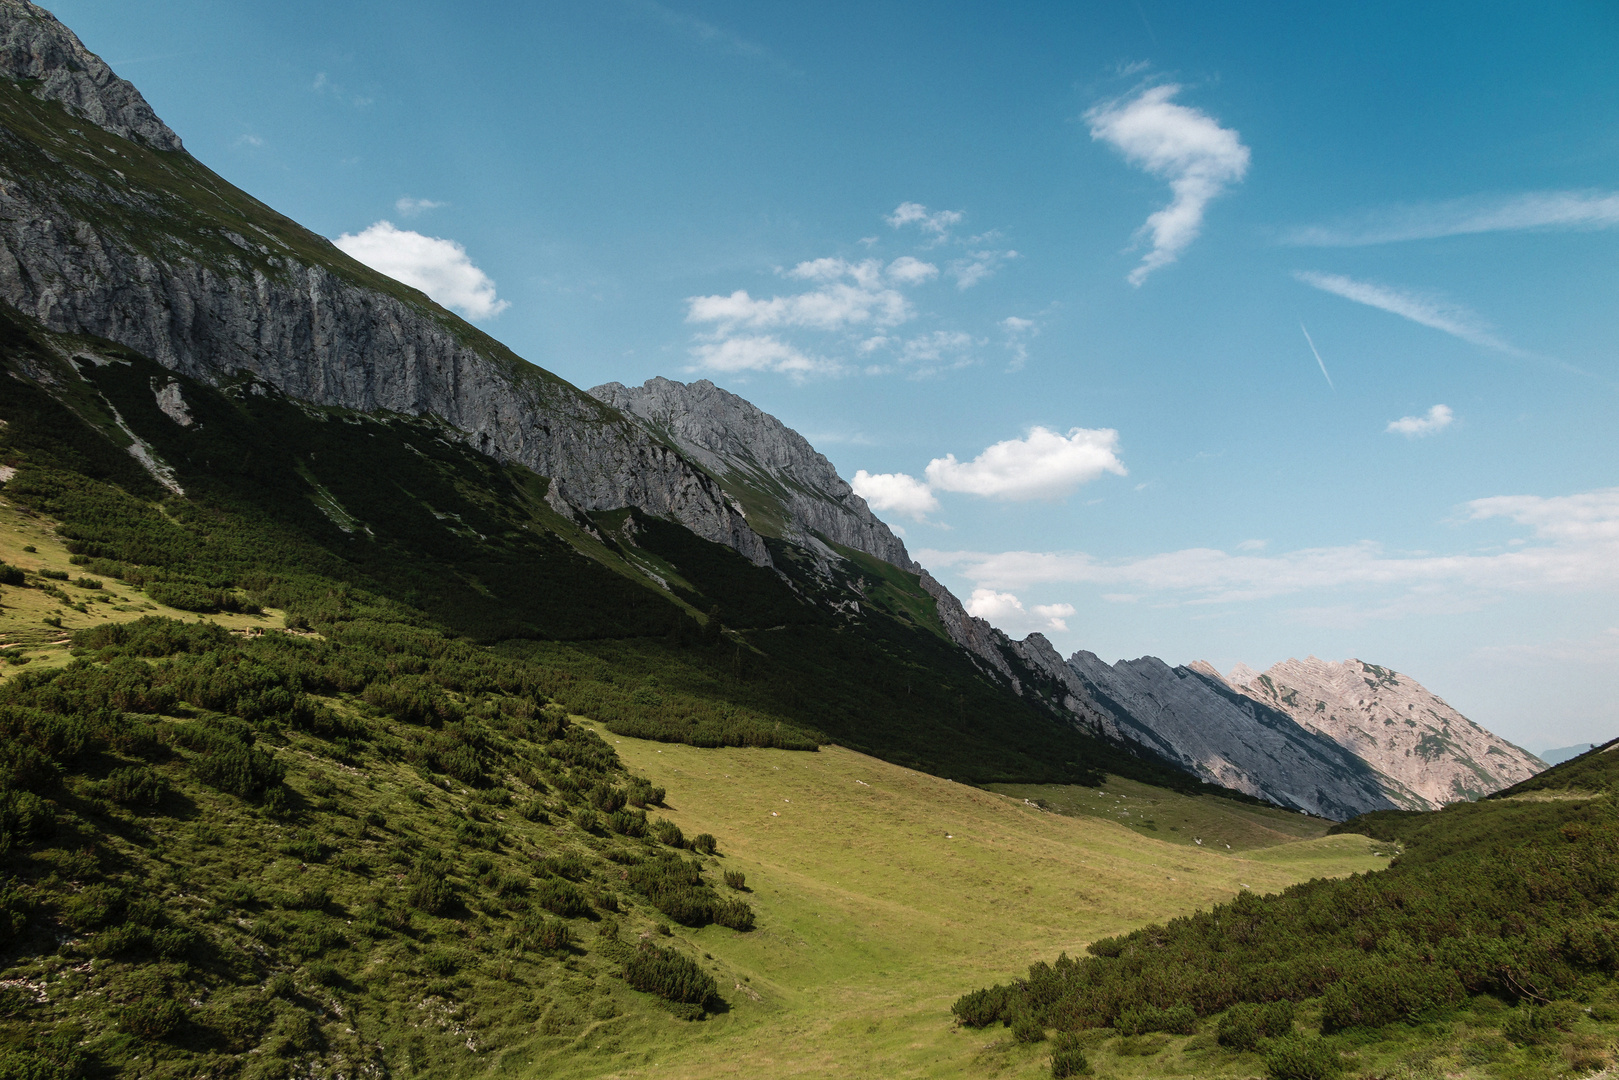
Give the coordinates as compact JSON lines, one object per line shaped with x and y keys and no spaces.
{"x":787,"y":488}
{"x":187,"y":270}
{"x":1428,"y":753}
{"x":1195,"y":719}
{"x":35,"y":47}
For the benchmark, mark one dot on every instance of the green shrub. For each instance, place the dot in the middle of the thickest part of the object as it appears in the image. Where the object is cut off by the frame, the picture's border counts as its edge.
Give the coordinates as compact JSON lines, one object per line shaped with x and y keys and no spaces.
{"x":733,"y":914}
{"x":981,"y":1008}
{"x":153,"y":1016}
{"x":1244,"y":1025}
{"x":1027,"y":1029}
{"x":88,"y":583}
{"x":667,"y":832}
{"x":322,"y":973}
{"x":587,"y":820}
{"x":669,"y":975}
{"x":1141,"y":1019}
{"x":1378,"y":996}
{"x":1301,"y":1057}
{"x":280,"y":985}
{"x":11,"y":575}
{"x":1068,"y":1057}
{"x":439,"y":962}
{"x":135,"y":785}
{"x":561,"y":898}
{"x":704,"y":844}
{"x":553,"y":935}
{"x":1528,"y":1024}
{"x":54,"y":575}
{"x":431,"y":895}
{"x":238,"y":1021}
{"x":736,"y":879}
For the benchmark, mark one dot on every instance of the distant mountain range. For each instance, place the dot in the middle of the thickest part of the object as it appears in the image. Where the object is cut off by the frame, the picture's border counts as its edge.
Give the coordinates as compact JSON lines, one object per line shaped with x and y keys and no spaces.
{"x":120,"y":249}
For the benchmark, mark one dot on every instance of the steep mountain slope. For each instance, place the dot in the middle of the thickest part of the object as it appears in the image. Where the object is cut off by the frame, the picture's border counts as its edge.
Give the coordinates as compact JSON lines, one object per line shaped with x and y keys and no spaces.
{"x":1430,"y":754}
{"x":119,"y":234}
{"x":1207,"y":727}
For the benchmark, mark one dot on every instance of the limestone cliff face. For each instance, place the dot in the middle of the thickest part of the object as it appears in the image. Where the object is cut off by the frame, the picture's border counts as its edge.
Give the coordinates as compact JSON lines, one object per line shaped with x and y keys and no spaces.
{"x":119,"y":234}
{"x":1429,"y":753}
{"x":36,"y":47}
{"x":784,"y":485}
{"x":1189,"y":717}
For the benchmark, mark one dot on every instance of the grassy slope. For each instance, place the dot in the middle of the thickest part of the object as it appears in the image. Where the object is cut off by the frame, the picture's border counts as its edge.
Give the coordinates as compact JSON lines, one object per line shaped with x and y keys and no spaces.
{"x":1196,"y":820}
{"x":882,"y":893}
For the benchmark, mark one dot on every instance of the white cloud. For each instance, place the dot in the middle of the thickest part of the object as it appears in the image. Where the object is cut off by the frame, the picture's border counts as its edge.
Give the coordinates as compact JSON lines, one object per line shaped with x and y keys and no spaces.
{"x":938,"y":223}
{"x":940,"y":350}
{"x":411,"y":207}
{"x":757,"y":352}
{"x":849,"y":294}
{"x":1045,"y":465}
{"x":895,"y":492}
{"x":1574,"y":545}
{"x":977,"y":266}
{"x":911,"y":271}
{"x":1006,"y":611}
{"x":1530,"y":210}
{"x":1437,"y":419}
{"x":249,"y":139}
{"x":1427,"y":310}
{"x":1187,"y":147}
{"x":440,"y":268}
{"x":1018,"y":331}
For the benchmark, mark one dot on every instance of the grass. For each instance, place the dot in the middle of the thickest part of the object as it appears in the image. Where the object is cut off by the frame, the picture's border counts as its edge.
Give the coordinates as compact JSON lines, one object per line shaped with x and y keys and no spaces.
{"x":883,"y":894}
{"x":1220,"y":824}
{"x":24,"y":633}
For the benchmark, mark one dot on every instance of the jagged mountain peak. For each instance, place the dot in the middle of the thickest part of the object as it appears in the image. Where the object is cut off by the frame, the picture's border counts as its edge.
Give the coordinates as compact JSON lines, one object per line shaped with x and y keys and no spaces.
{"x":35,"y":48}
{"x":1429,"y":752}
{"x":785,"y":486}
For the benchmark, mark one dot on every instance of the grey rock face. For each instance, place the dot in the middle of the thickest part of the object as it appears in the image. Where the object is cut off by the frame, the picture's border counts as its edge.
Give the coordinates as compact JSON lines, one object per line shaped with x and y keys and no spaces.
{"x":1428,"y":753}
{"x":753,"y":454}
{"x":169,"y":271}
{"x":1188,"y":717}
{"x":35,"y":46}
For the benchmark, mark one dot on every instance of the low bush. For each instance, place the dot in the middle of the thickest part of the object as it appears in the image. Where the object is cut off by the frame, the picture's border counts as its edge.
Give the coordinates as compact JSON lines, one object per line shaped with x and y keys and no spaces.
{"x":981,"y":1008}
{"x":1377,"y":996}
{"x":1177,"y":1019}
{"x":1302,"y":1057}
{"x":1068,"y":1057}
{"x":1244,"y":1026}
{"x":669,"y":975}
{"x":135,"y":785}
{"x":704,"y":844}
{"x":561,"y":898}
{"x":1026,"y":1029}
{"x":736,"y":879}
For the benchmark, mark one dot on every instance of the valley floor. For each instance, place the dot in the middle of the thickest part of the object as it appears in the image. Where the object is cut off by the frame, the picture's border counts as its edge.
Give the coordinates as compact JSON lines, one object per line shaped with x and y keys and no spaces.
{"x":884,"y":894}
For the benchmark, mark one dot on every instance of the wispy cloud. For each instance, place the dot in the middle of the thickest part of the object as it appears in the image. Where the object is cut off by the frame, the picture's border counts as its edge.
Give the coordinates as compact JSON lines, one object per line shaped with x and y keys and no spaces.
{"x":410,"y":207}
{"x":1182,"y":145}
{"x":440,"y":268}
{"x":1420,"y":308}
{"x":1006,"y":611}
{"x":1437,"y":419}
{"x":1018,"y":332}
{"x":758,"y":352}
{"x":978,"y":265}
{"x":707,"y":34}
{"x":1574,"y":544}
{"x":938,"y":222}
{"x":1542,"y":210}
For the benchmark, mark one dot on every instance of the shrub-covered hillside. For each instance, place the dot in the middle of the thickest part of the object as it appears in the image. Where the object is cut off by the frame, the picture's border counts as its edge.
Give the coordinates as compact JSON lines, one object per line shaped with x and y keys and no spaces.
{"x":1500,"y":916}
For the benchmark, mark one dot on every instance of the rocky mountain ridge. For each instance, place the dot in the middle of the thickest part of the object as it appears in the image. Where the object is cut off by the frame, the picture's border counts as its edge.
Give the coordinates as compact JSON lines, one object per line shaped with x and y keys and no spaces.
{"x":1428,"y":753}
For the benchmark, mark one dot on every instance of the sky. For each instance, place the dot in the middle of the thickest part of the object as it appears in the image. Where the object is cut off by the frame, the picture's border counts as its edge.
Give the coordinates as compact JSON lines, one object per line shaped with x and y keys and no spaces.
{"x":1224,"y":332}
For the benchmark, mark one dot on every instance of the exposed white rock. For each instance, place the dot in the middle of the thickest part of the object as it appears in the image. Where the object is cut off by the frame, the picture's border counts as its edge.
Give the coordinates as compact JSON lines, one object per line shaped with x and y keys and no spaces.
{"x":1429,"y":753}
{"x":1192,"y":717}
{"x":173,"y":404}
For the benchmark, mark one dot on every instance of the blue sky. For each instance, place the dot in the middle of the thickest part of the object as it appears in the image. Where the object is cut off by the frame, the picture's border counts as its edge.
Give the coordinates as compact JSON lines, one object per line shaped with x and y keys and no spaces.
{"x":1233,"y":332}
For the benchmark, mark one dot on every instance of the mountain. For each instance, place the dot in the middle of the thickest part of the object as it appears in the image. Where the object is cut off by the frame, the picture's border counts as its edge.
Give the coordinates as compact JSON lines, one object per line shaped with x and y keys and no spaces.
{"x":361,"y":440}
{"x":1194,"y":719}
{"x":1428,"y":754}
{"x":1559,"y":754}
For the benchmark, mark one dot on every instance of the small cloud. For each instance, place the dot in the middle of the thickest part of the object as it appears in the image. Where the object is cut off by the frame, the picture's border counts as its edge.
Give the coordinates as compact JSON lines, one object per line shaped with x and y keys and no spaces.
{"x":1437,"y":419}
{"x":1018,"y":331}
{"x":895,"y":492}
{"x":249,"y":140}
{"x":909,"y":271}
{"x":410,"y":207}
{"x":977,"y":266}
{"x":938,"y":223}
{"x":1044,"y":465}
{"x":1253,"y":545}
{"x":440,"y":268}
{"x":1004,"y":610}
{"x":1182,"y":145}
{"x":941,"y":350}
{"x":761,"y":352}
{"x":320,"y":82}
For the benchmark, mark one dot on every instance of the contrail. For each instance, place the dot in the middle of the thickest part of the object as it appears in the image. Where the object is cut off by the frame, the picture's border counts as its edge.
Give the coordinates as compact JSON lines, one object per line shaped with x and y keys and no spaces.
{"x":1318,"y":360}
